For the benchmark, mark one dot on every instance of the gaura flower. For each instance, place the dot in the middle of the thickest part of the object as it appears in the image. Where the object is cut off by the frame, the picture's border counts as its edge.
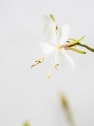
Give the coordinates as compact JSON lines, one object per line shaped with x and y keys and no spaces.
{"x":55,"y":42}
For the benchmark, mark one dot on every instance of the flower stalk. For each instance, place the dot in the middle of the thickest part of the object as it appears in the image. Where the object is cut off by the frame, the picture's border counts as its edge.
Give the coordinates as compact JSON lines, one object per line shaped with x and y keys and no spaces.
{"x":86,"y":46}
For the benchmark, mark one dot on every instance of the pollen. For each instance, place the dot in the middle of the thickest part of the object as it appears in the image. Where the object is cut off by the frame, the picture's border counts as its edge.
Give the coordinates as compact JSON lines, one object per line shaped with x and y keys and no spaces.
{"x":58,"y":47}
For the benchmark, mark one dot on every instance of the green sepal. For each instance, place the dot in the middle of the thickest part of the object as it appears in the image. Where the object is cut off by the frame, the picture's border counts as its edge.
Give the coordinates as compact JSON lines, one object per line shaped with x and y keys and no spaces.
{"x":76,"y":40}
{"x":76,"y":50}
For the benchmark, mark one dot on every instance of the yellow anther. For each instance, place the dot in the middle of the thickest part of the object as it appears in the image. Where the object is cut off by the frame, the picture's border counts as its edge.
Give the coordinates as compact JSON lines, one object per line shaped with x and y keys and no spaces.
{"x":38,"y":61}
{"x":56,"y":66}
{"x":58,"y":47}
{"x":48,"y":76}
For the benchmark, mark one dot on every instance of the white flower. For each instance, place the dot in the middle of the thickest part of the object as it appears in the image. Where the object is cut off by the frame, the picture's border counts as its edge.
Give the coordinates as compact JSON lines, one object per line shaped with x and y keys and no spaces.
{"x":53,"y":39}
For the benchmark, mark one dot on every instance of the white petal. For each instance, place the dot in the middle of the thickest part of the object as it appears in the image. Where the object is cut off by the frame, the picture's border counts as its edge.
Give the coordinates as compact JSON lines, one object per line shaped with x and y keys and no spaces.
{"x":57,"y":57}
{"x":49,"y":30}
{"x":46,"y":48}
{"x":63,"y":34}
{"x":65,"y":60}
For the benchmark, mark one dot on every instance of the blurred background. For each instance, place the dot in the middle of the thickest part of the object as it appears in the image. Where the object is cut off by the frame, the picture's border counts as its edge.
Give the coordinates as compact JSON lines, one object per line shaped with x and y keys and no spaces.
{"x":25,"y":94}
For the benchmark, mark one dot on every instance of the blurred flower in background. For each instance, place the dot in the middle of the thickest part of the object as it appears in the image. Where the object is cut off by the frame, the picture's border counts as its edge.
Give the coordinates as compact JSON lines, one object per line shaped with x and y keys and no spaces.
{"x":26,"y":123}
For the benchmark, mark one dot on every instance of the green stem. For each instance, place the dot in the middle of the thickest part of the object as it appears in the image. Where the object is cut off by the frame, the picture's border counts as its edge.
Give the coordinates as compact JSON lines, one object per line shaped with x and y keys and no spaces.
{"x":87,"y":47}
{"x":80,"y":44}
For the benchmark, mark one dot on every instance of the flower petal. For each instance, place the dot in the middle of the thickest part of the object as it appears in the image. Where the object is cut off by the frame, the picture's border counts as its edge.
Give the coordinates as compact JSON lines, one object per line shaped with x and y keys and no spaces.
{"x":49,"y":30}
{"x":46,"y":48}
{"x":63,"y":34}
{"x":65,"y":60}
{"x":57,"y":57}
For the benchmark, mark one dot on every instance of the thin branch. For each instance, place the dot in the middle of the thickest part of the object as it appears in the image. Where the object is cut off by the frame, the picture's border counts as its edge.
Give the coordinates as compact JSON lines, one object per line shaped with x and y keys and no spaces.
{"x":87,"y":47}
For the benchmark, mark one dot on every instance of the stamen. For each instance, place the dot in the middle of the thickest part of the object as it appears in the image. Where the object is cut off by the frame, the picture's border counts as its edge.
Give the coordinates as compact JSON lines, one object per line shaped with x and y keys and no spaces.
{"x":38,"y":61}
{"x":56,"y":66}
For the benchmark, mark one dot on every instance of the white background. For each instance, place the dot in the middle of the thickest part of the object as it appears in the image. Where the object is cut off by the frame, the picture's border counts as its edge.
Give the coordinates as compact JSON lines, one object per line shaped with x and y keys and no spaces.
{"x":26,"y":94}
